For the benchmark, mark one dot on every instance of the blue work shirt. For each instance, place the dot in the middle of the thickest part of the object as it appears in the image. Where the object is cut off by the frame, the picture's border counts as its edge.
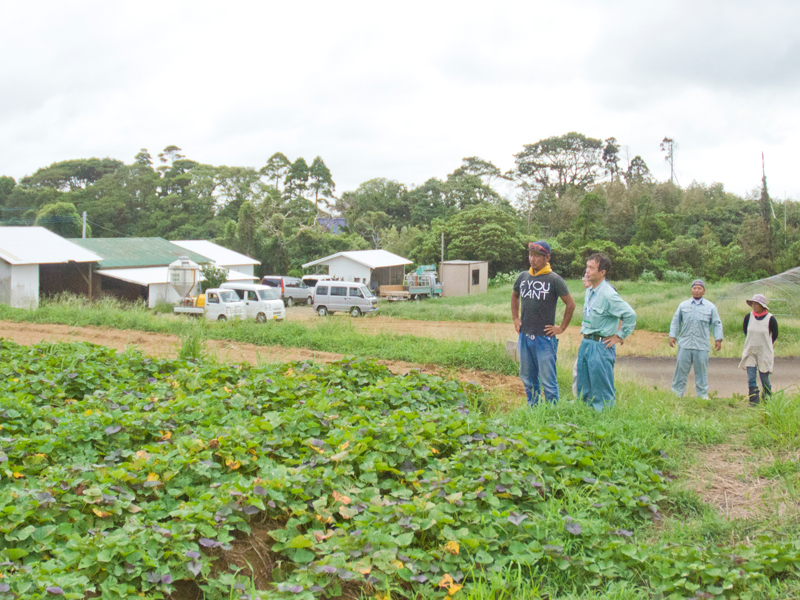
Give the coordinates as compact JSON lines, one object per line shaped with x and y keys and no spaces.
{"x":602,"y":310}
{"x":692,"y":323}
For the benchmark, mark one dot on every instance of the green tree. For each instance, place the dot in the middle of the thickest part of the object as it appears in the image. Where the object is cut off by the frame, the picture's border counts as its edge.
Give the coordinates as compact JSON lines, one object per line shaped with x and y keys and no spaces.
{"x":488,"y":233}
{"x":297,"y":178}
{"x":611,"y":157}
{"x":7,"y":185}
{"x":590,"y":221}
{"x":571,"y":160}
{"x":638,"y":172}
{"x":321,"y":181}
{"x":213,"y":276}
{"x":62,"y":218}
{"x":276,"y":169}
{"x":72,"y":174}
{"x":375,"y":195}
{"x":427,"y":202}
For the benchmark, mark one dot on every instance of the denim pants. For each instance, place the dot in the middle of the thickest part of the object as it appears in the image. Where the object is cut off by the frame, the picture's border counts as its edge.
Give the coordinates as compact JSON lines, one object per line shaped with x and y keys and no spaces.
{"x":596,"y":374}
{"x":687,"y":358}
{"x":751,"y":379}
{"x":537,"y":367}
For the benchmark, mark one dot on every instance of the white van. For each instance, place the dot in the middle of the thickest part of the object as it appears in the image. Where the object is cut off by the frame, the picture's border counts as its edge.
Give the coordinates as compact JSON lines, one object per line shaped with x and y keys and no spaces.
{"x":261,"y":302}
{"x":343,"y":296}
{"x":312,"y":280}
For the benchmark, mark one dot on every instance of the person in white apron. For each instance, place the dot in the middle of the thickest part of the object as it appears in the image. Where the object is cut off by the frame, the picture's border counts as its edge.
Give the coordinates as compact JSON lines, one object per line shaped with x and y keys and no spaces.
{"x":761,"y":330}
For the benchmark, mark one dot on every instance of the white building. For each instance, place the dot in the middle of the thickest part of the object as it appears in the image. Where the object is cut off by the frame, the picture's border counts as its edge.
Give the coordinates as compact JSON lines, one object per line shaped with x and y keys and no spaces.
{"x":377,"y":267}
{"x":34,"y":259}
{"x":221,"y":256}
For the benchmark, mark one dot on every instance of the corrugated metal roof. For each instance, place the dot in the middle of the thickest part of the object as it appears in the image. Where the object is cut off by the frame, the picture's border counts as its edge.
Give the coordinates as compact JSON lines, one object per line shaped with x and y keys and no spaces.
{"x":222,"y":256}
{"x":374,"y":259}
{"x":40,"y":246}
{"x":137,"y":252}
{"x":154,"y":275}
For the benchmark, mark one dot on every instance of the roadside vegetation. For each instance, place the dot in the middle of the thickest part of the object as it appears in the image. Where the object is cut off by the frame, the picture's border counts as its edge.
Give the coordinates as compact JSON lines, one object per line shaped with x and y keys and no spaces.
{"x":123,"y":475}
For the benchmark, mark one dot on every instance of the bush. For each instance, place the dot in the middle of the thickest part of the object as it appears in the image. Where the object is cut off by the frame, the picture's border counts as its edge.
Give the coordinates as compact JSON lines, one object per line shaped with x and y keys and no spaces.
{"x":502,"y":279}
{"x":163,"y":307}
{"x":678,"y":277}
{"x":648,"y":277}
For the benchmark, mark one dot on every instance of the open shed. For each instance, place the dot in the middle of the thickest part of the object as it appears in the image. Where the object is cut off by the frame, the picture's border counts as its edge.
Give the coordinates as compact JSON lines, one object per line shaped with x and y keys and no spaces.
{"x":137,"y":268}
{"x":35,"y":260}
{"x":464,"y":277}
{"x":373,"y":267}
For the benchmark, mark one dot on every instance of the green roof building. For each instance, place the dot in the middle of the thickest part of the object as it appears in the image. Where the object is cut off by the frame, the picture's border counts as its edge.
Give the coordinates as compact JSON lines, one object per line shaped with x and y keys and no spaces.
{"x":127,"y":253}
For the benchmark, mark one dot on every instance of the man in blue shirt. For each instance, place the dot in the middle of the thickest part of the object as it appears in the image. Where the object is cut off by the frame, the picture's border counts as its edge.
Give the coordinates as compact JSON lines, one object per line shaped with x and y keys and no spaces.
{"x":691,"y":326}
{"x":603,"y":309}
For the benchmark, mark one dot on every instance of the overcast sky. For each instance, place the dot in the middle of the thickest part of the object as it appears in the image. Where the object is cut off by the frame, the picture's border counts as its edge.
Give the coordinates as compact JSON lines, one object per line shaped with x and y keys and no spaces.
{"x":404,"y":90}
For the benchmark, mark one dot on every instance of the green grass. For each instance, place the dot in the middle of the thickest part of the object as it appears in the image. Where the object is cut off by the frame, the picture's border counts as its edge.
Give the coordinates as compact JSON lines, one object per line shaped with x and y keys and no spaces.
{"x":333,"y":335}
{"x":654,"y":303}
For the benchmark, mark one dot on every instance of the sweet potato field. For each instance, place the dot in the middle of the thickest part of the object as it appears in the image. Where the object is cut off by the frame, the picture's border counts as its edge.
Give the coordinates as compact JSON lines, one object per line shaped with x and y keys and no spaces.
{"x":123,"y":475}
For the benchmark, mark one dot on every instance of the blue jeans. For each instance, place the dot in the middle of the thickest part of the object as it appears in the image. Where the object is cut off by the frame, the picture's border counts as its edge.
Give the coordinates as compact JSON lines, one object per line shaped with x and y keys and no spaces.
{"x":596,"y":374}
{"x":751,"y":379}
{"x":537,"y":363}
{"x":687,"y":358}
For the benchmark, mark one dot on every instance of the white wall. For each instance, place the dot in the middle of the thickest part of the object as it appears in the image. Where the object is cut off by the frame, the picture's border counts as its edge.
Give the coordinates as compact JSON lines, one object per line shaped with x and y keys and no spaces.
{"x":19,"y":285}
{"x":164,"y":292}
{"x":347,"y":270}
{"x":243,"y":269}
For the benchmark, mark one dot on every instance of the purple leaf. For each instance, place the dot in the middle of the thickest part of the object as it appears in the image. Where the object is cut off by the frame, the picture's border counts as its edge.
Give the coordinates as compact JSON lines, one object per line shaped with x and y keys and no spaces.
{"x":112,"y":429}
{"x":426,"y":388}
{"x":419,"y":578}
{"x":589,"y":480}
{"x":330,"y":570}
{"x":574,"y":528}
{"x":209,"y":543}
{"x":491,"y":435}
{"x":195,"y":568}
{"x":153,"y":577}
{"x":45,"y":497}
{"x":259,"y":491}
{"x":166,"y":579}
{"x":500,"y":489}
{"x":251,"y":510}
{"x":71,"y":376}
{"x":355,"y":533}
{"x":623,"y":532}
{"x":149,"y":484}
{"x":285,"y":587}
{"x":516,"y":518}
{"x":271,"y":504}
{"x":552,"y":548}
{"x":4,"y":587}
{"x":54,"y":589}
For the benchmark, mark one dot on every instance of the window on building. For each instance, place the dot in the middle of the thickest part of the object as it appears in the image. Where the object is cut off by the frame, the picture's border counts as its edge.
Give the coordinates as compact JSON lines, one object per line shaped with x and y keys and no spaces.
{"x":476,"y":276}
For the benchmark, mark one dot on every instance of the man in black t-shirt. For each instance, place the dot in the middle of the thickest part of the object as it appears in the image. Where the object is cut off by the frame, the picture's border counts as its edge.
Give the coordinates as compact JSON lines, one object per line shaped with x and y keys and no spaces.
{"x":538,"y":290}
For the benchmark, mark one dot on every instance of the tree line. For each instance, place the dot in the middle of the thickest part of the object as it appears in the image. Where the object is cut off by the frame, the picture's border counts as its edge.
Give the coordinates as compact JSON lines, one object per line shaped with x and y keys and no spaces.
{"x":573,"y":190}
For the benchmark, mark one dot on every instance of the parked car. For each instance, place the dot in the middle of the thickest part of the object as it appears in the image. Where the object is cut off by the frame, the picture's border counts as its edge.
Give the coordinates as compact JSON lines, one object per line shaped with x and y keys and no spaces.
{"x":215,"y":305}
{"x":342,"y":296}
{"x":292,"y":289}
{"x":312,"y":280}
{"x":261,"y":302}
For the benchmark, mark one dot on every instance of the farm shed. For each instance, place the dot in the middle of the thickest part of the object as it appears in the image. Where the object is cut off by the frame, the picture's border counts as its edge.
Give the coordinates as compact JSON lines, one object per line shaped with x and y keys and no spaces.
{"x":221,"y":256}
{"x":464,"y":277}
{"x":35,"y":260}
{"x":136,"y":268}
{"x":373,"y":267}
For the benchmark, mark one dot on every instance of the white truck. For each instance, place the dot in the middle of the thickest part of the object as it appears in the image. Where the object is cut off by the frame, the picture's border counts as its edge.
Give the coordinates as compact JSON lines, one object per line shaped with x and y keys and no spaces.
{"x":216,"y":305}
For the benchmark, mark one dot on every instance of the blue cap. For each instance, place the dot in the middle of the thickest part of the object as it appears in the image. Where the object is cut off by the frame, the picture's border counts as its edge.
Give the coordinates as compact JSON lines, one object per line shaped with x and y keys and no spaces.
{"x":539,"y":248}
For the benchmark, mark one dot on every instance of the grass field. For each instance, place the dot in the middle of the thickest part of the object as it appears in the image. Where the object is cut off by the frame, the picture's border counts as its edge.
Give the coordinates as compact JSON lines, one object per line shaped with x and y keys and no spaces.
{"x":654,"y":303}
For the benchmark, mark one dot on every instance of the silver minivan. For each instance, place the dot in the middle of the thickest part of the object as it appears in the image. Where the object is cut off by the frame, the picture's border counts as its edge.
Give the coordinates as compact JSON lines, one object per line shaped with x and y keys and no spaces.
{"x":292,"y":289}
{"x":261,"y":302}
{"x":343,"y":296}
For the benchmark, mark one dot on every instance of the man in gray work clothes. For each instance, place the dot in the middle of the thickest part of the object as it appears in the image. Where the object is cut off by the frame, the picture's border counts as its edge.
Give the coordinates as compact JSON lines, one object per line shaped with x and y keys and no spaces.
{"x":691,"y":326}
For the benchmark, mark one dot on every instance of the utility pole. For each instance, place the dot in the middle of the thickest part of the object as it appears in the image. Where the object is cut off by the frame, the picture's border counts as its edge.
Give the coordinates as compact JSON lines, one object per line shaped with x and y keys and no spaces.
{"x":84,"y":225}
{"x":443,"y":246}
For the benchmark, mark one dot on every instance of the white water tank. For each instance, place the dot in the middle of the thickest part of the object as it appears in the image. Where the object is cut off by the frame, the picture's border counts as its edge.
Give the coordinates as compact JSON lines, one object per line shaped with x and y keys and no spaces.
{"x":183,"y":275}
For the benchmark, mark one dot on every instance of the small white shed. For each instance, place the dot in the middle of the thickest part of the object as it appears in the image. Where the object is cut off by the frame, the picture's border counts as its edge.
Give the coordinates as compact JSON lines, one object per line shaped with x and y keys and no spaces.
{"x":378,"y":267}
{"x":221,"y":256}
{"x":27,"y":251}
{"x":464,"y":277}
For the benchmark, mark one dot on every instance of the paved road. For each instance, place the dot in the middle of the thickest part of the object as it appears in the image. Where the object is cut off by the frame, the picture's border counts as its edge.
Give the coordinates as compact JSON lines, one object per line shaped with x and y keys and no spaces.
{"x":724,"y":375}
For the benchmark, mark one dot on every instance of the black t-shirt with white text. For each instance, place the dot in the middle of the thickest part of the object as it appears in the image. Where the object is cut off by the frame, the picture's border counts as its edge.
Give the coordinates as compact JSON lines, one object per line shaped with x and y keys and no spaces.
{"x":538,"y":299}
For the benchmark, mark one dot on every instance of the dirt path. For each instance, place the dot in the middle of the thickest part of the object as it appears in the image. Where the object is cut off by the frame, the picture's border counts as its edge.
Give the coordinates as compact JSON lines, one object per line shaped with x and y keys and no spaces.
{"x":157,"y":344}
{"x":638,"y":344}
{"x":724,"y":375}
